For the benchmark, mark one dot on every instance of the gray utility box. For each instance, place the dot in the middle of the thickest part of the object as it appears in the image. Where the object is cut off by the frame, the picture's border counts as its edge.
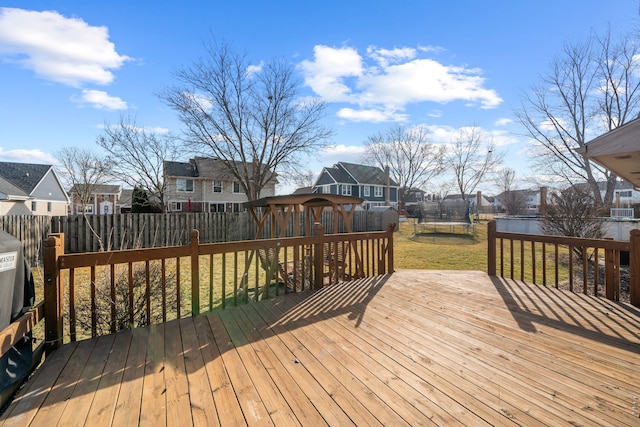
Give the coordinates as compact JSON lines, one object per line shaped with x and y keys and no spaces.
{"x":16,"y":298}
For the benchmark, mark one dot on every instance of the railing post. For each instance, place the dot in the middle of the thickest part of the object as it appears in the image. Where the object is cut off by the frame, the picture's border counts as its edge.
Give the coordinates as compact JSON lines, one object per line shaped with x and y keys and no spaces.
{"x":491,"y":248}
{"x":611,"y":285}
{"x":318,"y":255}
{"x":390,"y":247}
{"x":634,"y":268}
{"x":195,"y":272}
{"x":53,"y":293}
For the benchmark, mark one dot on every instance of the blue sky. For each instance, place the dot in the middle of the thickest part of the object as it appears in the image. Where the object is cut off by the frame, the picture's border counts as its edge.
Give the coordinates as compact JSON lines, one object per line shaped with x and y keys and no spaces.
{"x":67,"y":67}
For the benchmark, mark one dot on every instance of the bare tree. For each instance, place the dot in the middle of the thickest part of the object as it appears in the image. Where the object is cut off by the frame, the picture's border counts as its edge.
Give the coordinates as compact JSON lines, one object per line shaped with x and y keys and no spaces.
{"x":511,"y":199}
{"x":573,"y":212}
{"x":138,"y":156}
{"x":592,"y":87}
{"x":250,"y":117}
{"x":82,"y":171}
{"x":411,"y":158}
{"x":303,"y":178}
{"x":471,"y":160}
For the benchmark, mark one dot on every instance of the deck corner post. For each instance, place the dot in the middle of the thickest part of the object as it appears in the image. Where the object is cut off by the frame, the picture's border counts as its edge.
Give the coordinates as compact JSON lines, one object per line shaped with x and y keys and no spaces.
{"x":634,"y":268}
{"x":53,"y":292}
{"x":195,"y":272}
{"x":611,"y":285}
{"x":390,"y":266}
{"x":318,"y":255}
{"x":491,"y":248}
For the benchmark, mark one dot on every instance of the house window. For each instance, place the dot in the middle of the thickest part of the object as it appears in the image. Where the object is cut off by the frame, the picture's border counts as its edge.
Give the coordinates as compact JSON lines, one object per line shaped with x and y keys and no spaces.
{"x":624,"y":193}
{"x":88,"y":209}
{"x":217,"y":186}
{"x":346,"y":190}
{"x":176,"y":206}
{"x":237,"y":187}
{"x":49,"y":207}
{"x":366,"y":192}
{"x":237,"y":207}
{"x":377,"y":192}
{"x":216,"y":207}
{"x":184,"y":185}
{"x":34,"y":206}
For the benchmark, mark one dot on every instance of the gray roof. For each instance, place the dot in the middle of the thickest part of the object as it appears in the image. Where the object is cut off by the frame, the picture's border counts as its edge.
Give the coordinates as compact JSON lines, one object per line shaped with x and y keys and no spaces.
{"x":352,"y":173}
{"x":24,"y":176}
{"x":340,"y":175}
{"x":100,"y":189}
{"x":202,"y":167}
{"x":11,"y":190}
{"x":180,"y":169}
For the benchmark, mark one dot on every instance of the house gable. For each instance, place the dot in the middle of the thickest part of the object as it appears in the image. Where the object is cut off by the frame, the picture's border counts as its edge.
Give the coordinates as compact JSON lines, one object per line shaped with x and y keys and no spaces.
{"x":39,"y":185}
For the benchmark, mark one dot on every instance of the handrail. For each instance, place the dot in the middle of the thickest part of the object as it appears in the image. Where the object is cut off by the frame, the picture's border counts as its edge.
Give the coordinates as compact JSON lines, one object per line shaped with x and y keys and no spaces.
{"x":518,"y":256}
{"x":20,"y":327}
{"x":94,"y":293}
{"x":11,"y":335}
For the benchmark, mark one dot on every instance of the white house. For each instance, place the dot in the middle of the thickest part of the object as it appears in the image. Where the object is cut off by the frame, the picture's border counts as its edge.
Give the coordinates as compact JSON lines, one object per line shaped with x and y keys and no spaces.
{"x":31,"y":189}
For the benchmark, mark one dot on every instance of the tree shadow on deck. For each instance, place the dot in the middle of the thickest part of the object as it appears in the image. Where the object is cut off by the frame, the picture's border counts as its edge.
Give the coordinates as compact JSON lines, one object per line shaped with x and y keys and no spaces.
{"x":350,"y":298}
{"x":616,"y":324}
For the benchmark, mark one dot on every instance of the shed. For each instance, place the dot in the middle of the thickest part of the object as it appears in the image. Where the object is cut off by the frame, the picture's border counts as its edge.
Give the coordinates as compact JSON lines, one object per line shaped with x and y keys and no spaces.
{"x":389,"y":216}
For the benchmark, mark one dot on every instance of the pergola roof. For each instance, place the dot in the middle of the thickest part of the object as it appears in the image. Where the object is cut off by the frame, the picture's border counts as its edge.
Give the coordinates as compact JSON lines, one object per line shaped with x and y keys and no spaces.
{"x":618,"y":150}
{"x":280,"y":209}
{"x":313,"y":200}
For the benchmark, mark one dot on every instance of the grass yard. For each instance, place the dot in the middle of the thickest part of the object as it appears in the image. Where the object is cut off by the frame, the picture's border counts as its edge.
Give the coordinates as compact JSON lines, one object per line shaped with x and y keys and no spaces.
{"x":440,"y":251}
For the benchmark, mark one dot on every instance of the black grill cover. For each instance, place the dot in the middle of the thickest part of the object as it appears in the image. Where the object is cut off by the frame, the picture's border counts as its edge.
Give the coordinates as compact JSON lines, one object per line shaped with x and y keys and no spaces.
{"x":16,"y":297}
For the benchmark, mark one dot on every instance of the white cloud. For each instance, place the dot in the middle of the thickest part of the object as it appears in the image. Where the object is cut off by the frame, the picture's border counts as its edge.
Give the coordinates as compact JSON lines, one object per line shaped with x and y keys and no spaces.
{"x":503,"y":122}
{"x":372,"y":115}
{"x":101,"y":100}
{"x":341,"y":153}
{"x":386,"y":56}
{"x":156,"y":130}
{"x":394,"y":78}
{"x":254,"y":69}
{"x":448,"y":134}
{"x":57,"y":48}
{"x":326,"y":74}
{"x":27,"y":156}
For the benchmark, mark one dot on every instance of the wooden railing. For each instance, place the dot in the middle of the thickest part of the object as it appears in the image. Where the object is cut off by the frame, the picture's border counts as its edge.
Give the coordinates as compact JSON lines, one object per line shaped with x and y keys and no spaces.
{"x":578,"y":262}
{"x":22,"y":327}
{"x":90,"y":294}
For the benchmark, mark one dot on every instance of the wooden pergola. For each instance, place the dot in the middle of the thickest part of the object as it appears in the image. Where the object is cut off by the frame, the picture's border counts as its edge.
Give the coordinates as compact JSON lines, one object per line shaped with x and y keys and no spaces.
{"x":279,"y":210}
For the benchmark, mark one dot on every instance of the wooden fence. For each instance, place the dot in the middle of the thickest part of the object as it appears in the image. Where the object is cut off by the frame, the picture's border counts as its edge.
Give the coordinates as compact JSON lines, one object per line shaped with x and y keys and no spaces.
{"x":93,"y":233}
{"x":551,"y":260}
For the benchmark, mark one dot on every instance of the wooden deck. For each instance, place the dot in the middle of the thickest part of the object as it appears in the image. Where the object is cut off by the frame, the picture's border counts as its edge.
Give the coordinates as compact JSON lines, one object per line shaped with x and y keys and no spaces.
{"x":414,"y":348}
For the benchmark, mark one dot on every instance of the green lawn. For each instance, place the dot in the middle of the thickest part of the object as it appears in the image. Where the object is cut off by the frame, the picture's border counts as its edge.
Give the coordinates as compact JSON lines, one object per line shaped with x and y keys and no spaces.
{"x":441,"y":251}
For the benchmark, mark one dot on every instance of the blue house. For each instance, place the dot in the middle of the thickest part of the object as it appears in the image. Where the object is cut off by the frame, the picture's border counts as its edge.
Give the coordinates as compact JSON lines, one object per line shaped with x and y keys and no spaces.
{"x":367,"y":182}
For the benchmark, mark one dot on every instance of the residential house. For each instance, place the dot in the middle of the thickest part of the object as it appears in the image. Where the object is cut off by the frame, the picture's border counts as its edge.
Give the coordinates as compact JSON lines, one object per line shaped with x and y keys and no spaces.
{"x":520,"y":202}
{"x":103,"y":199}
{"x":415,"y":196}
{"x":624,"y":194}
{"x":31,"y":189}
{"x":206,"y":185}
{"x":472,"y":203}
{"x":367,"y":182}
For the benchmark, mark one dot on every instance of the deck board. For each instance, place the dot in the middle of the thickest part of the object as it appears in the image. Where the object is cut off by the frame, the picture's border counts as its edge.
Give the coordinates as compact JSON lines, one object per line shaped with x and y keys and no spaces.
{"x":416,"y":347}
